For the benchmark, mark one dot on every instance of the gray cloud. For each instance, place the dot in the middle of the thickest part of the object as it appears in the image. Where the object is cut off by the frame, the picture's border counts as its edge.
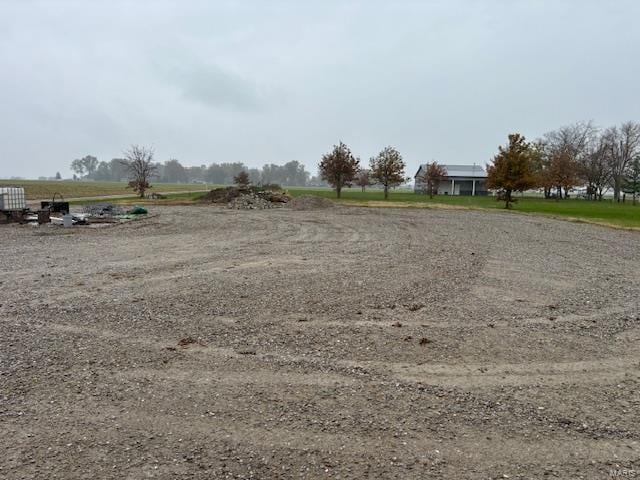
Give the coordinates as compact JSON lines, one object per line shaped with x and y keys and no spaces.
{"x":262,"y":82}
{"x":212,"y":86}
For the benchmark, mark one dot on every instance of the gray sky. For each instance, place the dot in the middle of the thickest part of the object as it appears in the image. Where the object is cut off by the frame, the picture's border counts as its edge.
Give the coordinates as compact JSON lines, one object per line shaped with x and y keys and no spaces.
{"x":273,"y":81}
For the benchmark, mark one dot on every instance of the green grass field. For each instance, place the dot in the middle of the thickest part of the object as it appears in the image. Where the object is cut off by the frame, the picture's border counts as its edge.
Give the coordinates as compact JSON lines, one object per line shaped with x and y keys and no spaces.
{"x":42,"y":189}
{"x":605,"y":212}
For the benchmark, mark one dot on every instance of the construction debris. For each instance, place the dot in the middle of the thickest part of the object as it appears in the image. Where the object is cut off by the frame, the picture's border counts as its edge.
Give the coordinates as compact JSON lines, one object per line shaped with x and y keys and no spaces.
{"x":249,"y":198}
{"x":103,"y":210}
{"x":56,"y":206}
{"x":259,"y":201}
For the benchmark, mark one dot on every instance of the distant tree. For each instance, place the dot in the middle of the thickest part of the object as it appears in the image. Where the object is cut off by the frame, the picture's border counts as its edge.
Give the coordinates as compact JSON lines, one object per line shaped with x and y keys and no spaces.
{"x":103,"y":172}
{"x":90,"y":164}
{"x":85,"y":166}
{"x":291,"y":173}
{"x":339,"y":167}
{"x":255,"y":175}
{"x":269,"y":173}
{"x":196,"y":174}
{"x":294,"y":173}
{"x":512,"y":169}
{"x":363,"y":179}
{"x":432,"y":176}
{"x":623,"y":144}
{"x":540,"y":162}
{"x":242,"y":179}
{"x":595,"y":169}
{"x":387,"y":169}
{"x":563,"y":173}
{"x":317,"y":181}
{"x":77,"y":166}
{"x":631,"y":183}
{"x":173,"y":172}
{"x":223,"y":173}
{"x":58,"y":176}
{"x":561,"y":154}
{"x":138,"y":163}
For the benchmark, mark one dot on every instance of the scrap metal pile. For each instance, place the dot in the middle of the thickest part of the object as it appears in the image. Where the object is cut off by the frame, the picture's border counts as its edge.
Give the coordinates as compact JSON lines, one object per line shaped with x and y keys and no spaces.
{"x":14,"y":209}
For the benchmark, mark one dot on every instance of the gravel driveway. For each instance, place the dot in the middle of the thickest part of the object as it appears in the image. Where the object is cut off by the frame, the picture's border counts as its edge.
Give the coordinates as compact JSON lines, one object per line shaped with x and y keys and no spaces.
{"x":336,"y":343}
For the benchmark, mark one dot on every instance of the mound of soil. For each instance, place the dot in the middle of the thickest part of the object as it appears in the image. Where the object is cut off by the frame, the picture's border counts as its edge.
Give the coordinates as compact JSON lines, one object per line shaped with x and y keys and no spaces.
{"x":309,"y":202}
{"x":225,"y":195}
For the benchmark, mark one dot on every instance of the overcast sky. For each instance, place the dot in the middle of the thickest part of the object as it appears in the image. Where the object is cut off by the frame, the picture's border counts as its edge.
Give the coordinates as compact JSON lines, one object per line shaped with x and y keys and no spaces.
{"x":273,"y":81}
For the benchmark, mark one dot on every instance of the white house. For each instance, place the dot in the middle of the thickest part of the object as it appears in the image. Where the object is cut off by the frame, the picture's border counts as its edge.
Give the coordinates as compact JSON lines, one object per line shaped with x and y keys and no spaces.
{"x":460,"y":180}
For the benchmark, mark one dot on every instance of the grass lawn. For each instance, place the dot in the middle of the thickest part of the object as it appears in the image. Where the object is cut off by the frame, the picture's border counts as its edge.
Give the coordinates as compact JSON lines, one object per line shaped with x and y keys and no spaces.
{"x":604,"y":213}
{"x":43,"y":189}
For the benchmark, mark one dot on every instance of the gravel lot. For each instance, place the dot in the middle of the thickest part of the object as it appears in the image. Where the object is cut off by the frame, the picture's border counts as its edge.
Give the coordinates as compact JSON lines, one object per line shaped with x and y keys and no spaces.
{"x":330,"y":343}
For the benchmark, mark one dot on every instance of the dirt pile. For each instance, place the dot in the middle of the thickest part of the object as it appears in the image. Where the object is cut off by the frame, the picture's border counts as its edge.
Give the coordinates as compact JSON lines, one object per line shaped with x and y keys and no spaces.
{"x":308,"y":202}
{"x":225,"y":195}
{"x":248,"y":198}
{"x":257,"y":201}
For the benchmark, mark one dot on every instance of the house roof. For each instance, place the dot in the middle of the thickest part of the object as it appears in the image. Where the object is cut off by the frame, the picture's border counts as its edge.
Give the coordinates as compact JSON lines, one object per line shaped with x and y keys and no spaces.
{"x":461,"y":170}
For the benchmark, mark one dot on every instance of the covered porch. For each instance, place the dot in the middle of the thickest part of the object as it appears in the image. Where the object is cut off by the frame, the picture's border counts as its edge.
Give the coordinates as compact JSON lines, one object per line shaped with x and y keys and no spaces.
{"x":462,"y":186}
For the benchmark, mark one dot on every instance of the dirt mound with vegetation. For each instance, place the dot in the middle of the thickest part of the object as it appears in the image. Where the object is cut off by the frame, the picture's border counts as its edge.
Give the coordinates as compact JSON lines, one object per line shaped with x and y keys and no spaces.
{"x":309,"y":202}
{"x":225,"y":194}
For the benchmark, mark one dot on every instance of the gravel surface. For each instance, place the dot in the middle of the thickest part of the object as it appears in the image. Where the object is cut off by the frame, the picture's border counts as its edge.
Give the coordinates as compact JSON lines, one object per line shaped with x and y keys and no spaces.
{"x":327,"y":343}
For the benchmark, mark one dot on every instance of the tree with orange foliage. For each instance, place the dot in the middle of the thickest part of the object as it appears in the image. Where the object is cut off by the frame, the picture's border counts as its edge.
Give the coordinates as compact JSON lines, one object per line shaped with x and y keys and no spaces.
{"x":512,"y":169}
{"x":339,"y":167}
{"x":432,"y":176}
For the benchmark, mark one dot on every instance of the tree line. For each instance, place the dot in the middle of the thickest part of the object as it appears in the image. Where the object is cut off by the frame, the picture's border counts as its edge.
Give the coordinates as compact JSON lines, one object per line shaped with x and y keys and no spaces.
{"x":574,"y":155}
{"x":292,"y":173}
{"x":584,"y":155}
{"x":578,"y":155}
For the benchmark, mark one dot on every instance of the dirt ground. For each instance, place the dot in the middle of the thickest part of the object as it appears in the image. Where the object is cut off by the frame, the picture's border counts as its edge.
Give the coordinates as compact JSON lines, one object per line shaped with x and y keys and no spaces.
{"x":333,"y":343}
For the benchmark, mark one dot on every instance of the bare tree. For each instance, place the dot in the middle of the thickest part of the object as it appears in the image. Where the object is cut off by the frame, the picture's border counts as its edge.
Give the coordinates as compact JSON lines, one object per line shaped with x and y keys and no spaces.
{"x":387,"y":169}
{"x":432,"y":176}
{"x":138,"y":163}
{"x":623,"y":144}
{"x":561,"y":153}
{"x":363,"y":179}
{"x":595,"y":169}
{"x":339,"y":167}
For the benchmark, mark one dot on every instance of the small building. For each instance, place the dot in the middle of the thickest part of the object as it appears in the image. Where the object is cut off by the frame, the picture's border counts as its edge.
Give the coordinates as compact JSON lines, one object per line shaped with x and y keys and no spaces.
{"x":460,"y":180}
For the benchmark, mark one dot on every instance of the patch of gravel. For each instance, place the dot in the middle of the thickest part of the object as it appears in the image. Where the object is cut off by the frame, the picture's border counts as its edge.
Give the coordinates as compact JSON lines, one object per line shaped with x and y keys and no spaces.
{"x":323,"y":343}
{"x":310,"y":202}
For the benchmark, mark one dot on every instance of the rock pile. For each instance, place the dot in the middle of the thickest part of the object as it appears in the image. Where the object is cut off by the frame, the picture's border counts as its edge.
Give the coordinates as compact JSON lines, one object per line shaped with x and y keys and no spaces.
{"x":259,"y":201}
{"x":249,"y":198}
